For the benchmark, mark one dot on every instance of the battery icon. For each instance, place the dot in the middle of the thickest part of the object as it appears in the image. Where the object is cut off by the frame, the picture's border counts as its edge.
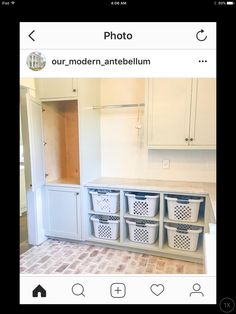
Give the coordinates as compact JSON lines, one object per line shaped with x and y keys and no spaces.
{"x":230,"y":2}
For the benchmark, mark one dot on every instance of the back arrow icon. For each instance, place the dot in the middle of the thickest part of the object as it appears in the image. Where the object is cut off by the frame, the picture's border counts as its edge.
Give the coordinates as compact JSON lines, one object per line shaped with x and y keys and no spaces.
{"x":31,"y":34}
{"x":198,"y":35}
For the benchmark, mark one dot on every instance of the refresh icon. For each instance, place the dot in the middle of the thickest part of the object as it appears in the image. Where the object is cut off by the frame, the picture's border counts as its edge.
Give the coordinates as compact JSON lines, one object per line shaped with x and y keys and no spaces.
{"x":201,"y":36}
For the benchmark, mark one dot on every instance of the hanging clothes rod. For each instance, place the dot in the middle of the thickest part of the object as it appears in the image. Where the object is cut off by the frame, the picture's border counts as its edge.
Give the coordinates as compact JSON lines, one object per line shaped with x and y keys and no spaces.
{"x":118,"y":106}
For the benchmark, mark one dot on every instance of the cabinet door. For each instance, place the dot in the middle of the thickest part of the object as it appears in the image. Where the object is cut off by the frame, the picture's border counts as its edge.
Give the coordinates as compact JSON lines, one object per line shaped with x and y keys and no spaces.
{"x":62,"y":211}
{"x":56,"y":88}
{"x":169,"y":103}
{"x":203,"y":113}
{"x":22,"y":191}
{"x":35,"y":143}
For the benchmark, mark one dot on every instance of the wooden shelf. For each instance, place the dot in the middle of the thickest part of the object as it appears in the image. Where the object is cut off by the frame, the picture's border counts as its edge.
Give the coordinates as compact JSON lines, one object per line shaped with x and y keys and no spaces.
{"x":143,"y":246}
{"x":155,"y":218}
{"x":65,"y":180}
{"x":200,"y":222}
{"x":105,"y":214}
{"x":107,"y":241}
{"x":197,"y":254}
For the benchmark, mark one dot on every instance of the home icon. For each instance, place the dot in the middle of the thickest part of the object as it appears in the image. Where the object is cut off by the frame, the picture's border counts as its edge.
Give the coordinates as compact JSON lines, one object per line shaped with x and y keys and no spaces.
{"x":37,"y":290}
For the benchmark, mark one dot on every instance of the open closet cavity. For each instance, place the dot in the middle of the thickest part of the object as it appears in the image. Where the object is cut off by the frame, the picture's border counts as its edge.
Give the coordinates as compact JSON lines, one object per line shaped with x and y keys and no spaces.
{"x":61,"y":141}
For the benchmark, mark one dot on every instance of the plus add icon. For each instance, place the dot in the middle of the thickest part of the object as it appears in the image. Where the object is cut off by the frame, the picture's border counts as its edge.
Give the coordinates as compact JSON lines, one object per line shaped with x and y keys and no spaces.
{"x":118,"y":290}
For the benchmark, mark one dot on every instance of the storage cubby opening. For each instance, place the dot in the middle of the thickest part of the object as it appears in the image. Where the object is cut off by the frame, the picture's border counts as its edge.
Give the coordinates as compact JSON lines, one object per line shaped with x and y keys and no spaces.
{"x":182,"y":243}
{"x":104,"y":201}
{"x":140,"y":235}
{"x":202,"y":211}
{"x":183,"y":213}
{"x":90,"y":227}
{"x":90,"y":202}
{"x":125,"y":231}
{"x":61,"y":141}
{"x":142,"y":204}
{"x":104,"y":228}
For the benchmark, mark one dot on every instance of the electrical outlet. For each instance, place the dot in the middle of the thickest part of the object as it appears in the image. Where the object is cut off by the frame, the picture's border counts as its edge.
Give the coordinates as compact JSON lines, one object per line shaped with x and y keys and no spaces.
{"x":165,"y":164}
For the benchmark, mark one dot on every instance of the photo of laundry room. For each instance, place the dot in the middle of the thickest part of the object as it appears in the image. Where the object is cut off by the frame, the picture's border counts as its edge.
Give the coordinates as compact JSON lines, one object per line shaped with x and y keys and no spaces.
{"x":117,"y":175}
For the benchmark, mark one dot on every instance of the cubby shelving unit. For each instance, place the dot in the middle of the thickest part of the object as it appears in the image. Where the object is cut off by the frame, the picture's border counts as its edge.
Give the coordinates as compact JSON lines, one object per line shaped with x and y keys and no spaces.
{"x":155,"y":218}
{"x":91,"y":211}
{"x":160,"y":246}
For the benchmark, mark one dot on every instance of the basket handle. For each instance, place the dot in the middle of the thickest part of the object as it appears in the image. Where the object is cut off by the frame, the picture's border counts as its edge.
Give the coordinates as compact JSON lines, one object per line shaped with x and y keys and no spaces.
{"x":102,"y":192}
{"x":104,"y":221}
{"x":181,"y":230}
{"x":139,"y":224}
{"x":183,"y":201}
{"x":140,"y":197}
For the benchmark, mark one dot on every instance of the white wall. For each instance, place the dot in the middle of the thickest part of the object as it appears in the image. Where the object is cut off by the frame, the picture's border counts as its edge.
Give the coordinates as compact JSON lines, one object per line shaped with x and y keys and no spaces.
{"x":123,"y":149}
{"x":27,"y":82}
{"x":89,"y":129}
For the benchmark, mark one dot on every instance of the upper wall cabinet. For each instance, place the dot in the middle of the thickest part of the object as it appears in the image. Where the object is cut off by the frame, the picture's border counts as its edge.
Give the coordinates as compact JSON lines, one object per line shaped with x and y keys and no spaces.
{"x":56,"y":88}
{"x":203,"y":113}
{"x":181,"y":113}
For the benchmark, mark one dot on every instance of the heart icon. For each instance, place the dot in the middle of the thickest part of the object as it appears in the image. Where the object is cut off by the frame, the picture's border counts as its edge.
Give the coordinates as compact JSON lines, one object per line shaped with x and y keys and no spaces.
{"x":157,"y":289}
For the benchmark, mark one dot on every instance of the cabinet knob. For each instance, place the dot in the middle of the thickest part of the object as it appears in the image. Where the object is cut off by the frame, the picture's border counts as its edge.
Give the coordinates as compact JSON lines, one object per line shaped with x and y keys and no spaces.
{"x":186,"y":139}
{"x":77,"y":193}
{"x":74,"y":90}
{"x":191,"y":139}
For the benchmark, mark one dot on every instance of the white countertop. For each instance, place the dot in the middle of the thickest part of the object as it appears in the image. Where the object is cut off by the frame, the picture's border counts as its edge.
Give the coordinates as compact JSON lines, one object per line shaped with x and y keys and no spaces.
{"x":205,"y":188}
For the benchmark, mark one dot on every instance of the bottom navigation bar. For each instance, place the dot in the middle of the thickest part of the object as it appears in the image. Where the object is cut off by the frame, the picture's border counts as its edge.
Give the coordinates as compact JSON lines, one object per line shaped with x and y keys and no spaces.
{"x":117,"y":289}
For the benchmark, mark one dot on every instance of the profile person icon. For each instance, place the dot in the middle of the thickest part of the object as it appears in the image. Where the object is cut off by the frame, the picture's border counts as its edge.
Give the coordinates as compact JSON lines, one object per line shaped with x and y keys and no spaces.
{"x":196,"y":288}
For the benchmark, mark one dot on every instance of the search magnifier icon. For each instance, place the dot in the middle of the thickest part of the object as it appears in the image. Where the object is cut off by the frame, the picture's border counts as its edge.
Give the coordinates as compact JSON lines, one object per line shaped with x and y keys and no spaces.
{"x":78,"y":289}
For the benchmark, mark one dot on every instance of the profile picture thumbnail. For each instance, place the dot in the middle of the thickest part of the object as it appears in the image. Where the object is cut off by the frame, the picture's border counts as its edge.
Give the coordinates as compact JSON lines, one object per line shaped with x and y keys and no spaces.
{"x":36,"y":61}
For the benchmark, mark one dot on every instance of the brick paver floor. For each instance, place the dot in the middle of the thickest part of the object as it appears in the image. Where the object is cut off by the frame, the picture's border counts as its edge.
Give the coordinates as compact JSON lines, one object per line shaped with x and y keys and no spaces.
{"x":64,"y":257}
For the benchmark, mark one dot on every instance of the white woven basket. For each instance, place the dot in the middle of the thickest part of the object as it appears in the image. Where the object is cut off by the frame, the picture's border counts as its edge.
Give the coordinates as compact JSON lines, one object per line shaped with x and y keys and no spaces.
{"x":182,"y":208}
{"x":105,"y":201}
{"x":106,"y":227}
{"x":142,"y":231}
{"x":183,"y":237}
{"x":143,"y":204}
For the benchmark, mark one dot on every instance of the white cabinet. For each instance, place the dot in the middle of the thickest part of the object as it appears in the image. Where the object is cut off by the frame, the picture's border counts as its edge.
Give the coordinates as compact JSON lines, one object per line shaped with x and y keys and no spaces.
{"x":35,"y":143}
{"x":203,"y":113}
{"x":62,"y":212}
{"x":48,"y":88}
{"x":22,"y":190}
{"x":181,"y":113}
{"x":54,"y":129}
{"x":168,"y":112}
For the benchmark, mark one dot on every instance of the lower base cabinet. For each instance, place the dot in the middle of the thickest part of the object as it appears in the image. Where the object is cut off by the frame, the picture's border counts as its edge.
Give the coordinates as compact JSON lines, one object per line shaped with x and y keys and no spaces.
{"x":63,"y":219}
{"x":62,"y":212}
